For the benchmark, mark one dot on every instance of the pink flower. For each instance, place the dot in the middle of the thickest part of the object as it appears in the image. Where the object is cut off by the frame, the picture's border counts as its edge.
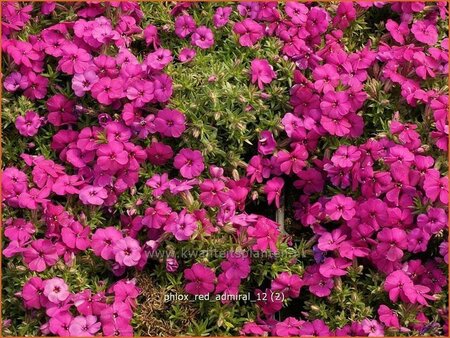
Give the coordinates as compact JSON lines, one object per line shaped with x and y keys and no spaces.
{"x":398,"y":32}
{"x":56,"y":290}
{"x":250,"y":32}
{"x":435,"y":186}
{"x":140,"y":92}
{"x":186,"y":55}
{"x":388,"y":317}
{"x":203,"y":37}
{"x":93,"y":195}
{"x":333,"y":267}
{"x":106,"y":90}
{"x":127,"y":251}
{"x":83,"y":82}
{"x":293,"y":161}
{"x":201,"y":279}
{"x":33,"y":293}
{"x":433,"y":221}
{"x":266,"y":143}
{"x":14,"y":81}
{"x":112,"y":156}
{"x":425,"y":31}
{"x":171,"y":123}
{"x":189,"y":162}
{"x":40,"y":254}
{"x":103,"y":241}
{"x":287,"y":283}
{"x":221,"y":16}
{"x":331,"y":241}
{"x":372,"y":328}
{"x":84,"y":326}
{"x":273,"y":190}
{"x":262,"y":72}
{"x":315,"y":328}
{"x":158,"y":59}
{"x":340,"y":206}
{"x":290,"y":326}
{"x":265,"y":232}
{"x":19,"y":229}
{"x":398,"y":284}
{"x":22,"y":53}
{"x":184,"y":25}
{"x":74,"y":59}
{"x":183,"y":227}
{"x":76,"y":236}
{"x":236,"y":265}
{"x":392,"y":242}
{"x":29,"y":124}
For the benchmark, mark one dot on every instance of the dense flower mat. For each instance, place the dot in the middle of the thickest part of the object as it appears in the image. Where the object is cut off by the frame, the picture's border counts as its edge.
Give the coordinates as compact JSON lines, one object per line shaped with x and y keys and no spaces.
{"x":225,"y":168}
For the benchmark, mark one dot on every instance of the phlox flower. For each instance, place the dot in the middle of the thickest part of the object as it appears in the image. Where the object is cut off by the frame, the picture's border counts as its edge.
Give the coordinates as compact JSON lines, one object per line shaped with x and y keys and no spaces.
{"x":14,"y":81}
{"x":186,"y":55}
{"x":249,"y":32}
{"x":236,"y":265}
{"x":288,"y":284}
{"x":435,"y":186}
{"x":127,"y":251}
{"x":40,"y":254}
{"x":221,"y":16}
{"x":333,"y":267}
{"x":261,"y":72}
{"x":266,"y":233}
{"x":399,"y":285}
{"x":200,"y":279}
{"x":22,"y":53}
{"x":76,"y":236}
{"x":433,"y":221}
{"x":158,"y":59}
{"x":93,"y":195}
{"x":273,"y":190}
{"x":202,"y":37}
{"x":189,"y":162}
{"x":19,"y":229}
{"x":388,"y":317}
{"x":74,"y":59}
{"x":340,"y":206}
{"x":103,"y":241}
{"x":183,"y":227}
{"x":372,"y":328}
{"x":331,"y":241}
{"x":293,"y":161}
{"x":290,"y":326}
{"x":82,"y":326}
{"x":33,"y":293}
{"x":59,"y":324}
{"x":157,"y":215}
{"x":171,"y":123}
{"x":392,"y":242}
{"x":315,"y":328}
{"x":425,"y":31}
{"x":56,"y":290}
{"x":83,"y":82}
{"x":184,"y":25}
{"x":106,"y":90}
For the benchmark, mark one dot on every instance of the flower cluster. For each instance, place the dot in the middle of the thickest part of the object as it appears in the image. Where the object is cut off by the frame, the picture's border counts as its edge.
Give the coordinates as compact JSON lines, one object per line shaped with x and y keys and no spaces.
{"x":333,"y":216}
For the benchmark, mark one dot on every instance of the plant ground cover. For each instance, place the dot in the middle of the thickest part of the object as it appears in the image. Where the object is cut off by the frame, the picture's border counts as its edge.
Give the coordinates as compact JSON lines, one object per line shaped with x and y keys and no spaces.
{"x":224,"y":168}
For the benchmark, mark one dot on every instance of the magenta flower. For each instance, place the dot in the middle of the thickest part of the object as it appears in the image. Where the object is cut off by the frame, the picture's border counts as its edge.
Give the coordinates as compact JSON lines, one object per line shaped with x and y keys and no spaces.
{"x":14,"y":81}
{"x":340,"y":206}
{"x":399,"y":285}
{"x":262,"y":72}
{"x":189,"y":162}
{"x":221,"y":16}
{"x":22,"y":53}
{"x":171,"y":123}
{"x":425,"y":31}
{"x":372,"y":328}
{"x":184,"y":25}
{"x":106,"y":90}
{"x":127,"y":251}
{"x":19,"y":229}
{"x":186,"y":55}
{"x":83,"y":82}
{"x":29,"y":124}
{"x":315,"y":328}
{"x":40,"y":254}
{"x":203,"y":37}
{"x":288,"y":284}
{"x":392,"y":242}
{"x":93,"y":195}
{"x":273,"y":190}
{"x":56,"y":290}
{"x":82,"y":326}
{"x":331,"y":241}
{"x":249,"y":32}
{"x":103,"y":240}
{"x":388,"y":317}
{"x":333,"y":267}
{"x":435,"y":186}
{"x":33,"y":293}
{"x":201,"y":279}
{"x":74,"y":59}
{"x":112,"y":156}
{"x":183,"y":227}
{"x":76,"y":236}
{"x":236,"y":265}
{"x":398,"y":31}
